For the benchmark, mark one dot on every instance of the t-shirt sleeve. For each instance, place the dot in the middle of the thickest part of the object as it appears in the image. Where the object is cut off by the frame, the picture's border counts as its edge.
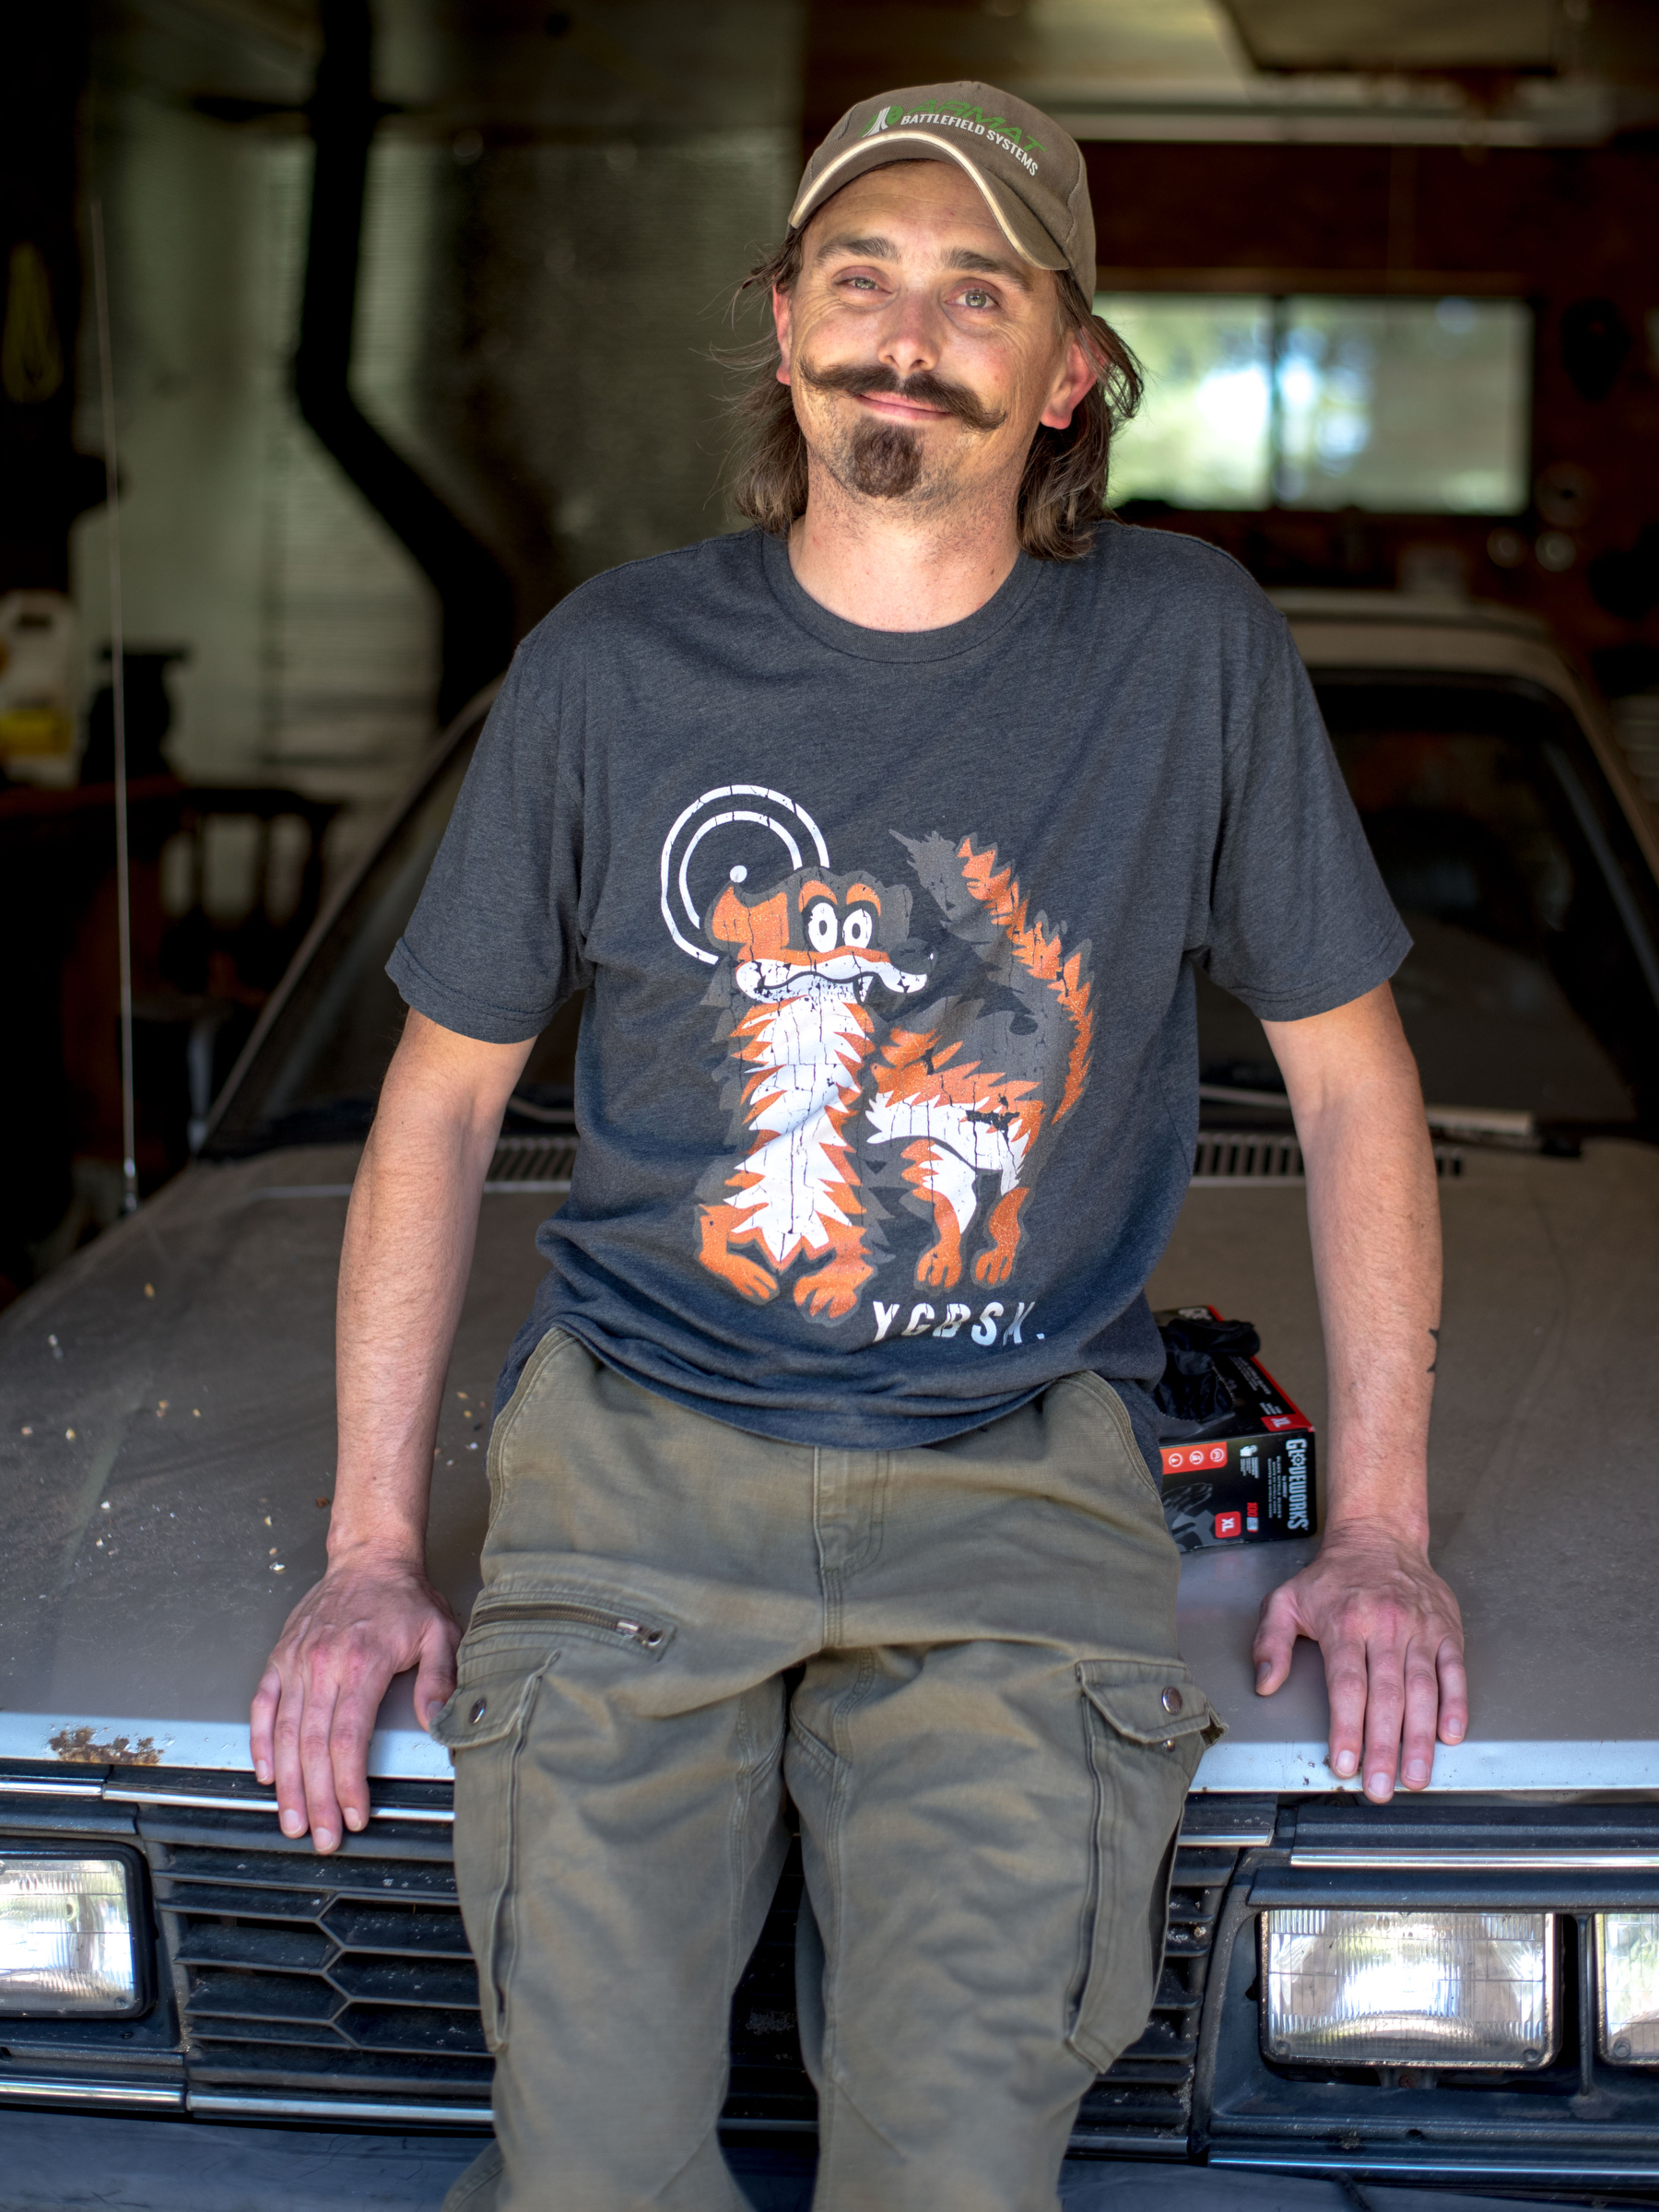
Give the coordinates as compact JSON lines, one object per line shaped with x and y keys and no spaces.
{"x":1299,"y":921}
{"x":494,"y":946}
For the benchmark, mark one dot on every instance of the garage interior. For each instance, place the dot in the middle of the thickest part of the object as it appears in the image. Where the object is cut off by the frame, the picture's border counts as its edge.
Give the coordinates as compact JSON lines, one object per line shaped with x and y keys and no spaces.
{"x":339,"y":339}
{"x":415,"y":321}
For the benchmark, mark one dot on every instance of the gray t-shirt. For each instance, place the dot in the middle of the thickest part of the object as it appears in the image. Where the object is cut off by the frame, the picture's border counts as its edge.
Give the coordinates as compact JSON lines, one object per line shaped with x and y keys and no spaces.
{"x":887,"y":1081}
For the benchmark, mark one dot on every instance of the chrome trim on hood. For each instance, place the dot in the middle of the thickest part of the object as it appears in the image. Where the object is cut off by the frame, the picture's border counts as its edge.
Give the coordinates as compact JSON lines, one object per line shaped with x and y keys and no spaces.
{"x":209,"y":2103}
{"x":1452,"y":1861}
{"x":1524,"y":2164}
{"x":26,"y":2089}
{"x":1516,"y":1764}
{"x":135,"y":1794}
{"x":119,"y":1792}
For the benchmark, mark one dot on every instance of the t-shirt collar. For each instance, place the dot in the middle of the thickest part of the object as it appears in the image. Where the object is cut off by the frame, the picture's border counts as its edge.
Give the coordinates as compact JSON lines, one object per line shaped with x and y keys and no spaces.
{"x":942,"y":644}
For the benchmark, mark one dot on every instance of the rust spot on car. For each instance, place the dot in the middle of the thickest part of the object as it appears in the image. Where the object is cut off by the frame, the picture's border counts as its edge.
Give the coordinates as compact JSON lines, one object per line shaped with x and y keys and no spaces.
{"x":81,"y":1746}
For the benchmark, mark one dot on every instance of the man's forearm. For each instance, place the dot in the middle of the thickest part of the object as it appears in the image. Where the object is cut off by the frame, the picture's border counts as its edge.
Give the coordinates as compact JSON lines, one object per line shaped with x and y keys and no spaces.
{"x":410,"y":1236}
{"x":1373,"y":1214}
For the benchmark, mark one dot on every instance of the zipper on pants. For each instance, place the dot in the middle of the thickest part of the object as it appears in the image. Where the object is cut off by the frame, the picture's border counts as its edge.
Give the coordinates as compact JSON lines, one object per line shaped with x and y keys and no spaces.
{"x":649,"y":1637}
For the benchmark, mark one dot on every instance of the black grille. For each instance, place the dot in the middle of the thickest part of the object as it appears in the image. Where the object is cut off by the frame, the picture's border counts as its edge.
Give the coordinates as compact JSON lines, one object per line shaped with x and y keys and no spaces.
{"x":769,"y":2087}
{"x":1147,"y":2096}
{"x":538,"y":1163}
{"x":1269,"y":1155}
{"x":1232,"y":1156}
{"x":351,"y":1976}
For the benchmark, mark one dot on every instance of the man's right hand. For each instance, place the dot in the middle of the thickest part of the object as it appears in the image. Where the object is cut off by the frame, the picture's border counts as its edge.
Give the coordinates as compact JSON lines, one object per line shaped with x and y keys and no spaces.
{"x":409,"y":1234}
{"x":314,"y":1713}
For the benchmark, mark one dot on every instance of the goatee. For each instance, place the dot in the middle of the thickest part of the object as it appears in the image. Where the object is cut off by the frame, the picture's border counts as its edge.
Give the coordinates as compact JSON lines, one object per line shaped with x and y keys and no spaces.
{"x":883,"y":460}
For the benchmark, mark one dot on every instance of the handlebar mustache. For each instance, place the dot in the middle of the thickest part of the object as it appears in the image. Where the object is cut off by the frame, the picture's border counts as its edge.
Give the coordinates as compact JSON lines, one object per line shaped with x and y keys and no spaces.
{"x":924,"y":389}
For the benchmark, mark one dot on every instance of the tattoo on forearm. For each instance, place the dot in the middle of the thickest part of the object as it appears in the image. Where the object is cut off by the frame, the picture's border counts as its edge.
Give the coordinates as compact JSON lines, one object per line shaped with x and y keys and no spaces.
{"x":1434,"y":1364}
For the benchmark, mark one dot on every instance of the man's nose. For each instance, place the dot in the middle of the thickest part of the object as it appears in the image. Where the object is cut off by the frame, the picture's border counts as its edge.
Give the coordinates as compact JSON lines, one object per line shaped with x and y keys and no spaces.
{"x":911,"y":335}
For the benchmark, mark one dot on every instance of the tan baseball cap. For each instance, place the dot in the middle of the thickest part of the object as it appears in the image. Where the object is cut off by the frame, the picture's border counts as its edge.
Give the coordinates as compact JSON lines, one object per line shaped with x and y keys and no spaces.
{"x":1029,"y":171}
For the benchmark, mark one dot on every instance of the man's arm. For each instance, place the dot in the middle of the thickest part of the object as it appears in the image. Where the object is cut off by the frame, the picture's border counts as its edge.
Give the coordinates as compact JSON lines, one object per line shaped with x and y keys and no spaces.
{"x":409,"y":1235}
{"x":1388,"y":1626}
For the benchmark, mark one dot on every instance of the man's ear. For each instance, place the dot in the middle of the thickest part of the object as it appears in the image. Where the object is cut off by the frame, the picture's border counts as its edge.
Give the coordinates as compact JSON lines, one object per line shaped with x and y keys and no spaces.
{"x":784,"y":322}
{"x":1071,"y":385}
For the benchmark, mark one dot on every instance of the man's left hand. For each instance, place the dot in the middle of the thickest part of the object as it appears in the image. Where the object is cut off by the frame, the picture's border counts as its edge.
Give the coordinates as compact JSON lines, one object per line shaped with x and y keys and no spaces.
{"x":1392,"y":1642}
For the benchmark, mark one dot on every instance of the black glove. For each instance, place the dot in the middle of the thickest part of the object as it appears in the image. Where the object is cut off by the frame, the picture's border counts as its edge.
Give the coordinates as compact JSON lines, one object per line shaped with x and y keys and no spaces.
{"x":1191,"y":1394}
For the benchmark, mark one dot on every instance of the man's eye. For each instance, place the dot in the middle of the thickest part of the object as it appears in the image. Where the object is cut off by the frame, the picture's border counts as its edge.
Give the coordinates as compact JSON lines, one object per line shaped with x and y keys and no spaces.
{"x":978,"y":299}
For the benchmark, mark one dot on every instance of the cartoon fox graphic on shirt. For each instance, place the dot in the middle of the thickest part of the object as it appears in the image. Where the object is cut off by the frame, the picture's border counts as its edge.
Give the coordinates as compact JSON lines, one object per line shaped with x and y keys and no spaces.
{"x":808,"y":957}
{"x":860,"y":1064}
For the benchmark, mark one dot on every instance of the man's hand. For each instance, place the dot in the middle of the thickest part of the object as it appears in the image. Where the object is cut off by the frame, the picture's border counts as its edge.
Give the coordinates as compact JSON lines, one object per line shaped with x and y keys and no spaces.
{"x":314,"y":1713}
{"x":1393,"y":1643}
{"x":1388,"y":1626}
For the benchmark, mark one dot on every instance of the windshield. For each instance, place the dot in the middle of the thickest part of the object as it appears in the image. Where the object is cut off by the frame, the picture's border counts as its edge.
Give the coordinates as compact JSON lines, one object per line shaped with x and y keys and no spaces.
{"x":314,"y":1071}
{"x":1532,"y":985}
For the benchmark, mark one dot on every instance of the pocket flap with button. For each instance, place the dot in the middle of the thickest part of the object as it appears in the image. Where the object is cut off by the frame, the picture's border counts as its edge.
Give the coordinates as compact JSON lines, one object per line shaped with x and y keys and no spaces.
{"x":488,"y":1704}
{"x":1149,"y":1701}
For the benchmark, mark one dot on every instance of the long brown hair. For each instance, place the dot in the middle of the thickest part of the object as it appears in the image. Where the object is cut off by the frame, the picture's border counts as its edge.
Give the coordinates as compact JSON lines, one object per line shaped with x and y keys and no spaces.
{"x":1062,"y":490}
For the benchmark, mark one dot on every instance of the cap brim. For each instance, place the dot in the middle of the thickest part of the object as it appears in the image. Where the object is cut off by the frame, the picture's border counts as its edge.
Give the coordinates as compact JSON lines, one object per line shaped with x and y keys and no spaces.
{"x":1012,"y":217}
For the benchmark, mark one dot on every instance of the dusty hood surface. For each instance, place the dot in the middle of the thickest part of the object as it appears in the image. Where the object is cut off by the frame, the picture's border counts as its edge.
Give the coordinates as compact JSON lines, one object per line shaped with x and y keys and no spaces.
{"x":171,"y":1504}
{"x":1542,"y":1460}
{"x":165,"y":1465}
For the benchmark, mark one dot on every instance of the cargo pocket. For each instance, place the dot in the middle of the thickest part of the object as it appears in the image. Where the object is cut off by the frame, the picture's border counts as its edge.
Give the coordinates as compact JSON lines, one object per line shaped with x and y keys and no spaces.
{"x":1147,"y":1724}
{"x":482,"y":1727}
{"x":517,"y":1637}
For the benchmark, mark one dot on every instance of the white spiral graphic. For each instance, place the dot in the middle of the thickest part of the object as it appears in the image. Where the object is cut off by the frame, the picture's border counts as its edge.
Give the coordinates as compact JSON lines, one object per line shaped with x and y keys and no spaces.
{"x":676,"y":857}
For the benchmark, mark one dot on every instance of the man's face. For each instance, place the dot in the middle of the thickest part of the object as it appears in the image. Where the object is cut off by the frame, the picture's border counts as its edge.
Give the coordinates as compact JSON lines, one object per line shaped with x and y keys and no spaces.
{"x":921,"y":351}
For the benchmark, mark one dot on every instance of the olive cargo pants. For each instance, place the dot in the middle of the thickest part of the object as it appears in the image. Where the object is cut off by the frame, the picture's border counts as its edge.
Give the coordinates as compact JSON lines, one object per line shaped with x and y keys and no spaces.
{"x":989,"y":1750}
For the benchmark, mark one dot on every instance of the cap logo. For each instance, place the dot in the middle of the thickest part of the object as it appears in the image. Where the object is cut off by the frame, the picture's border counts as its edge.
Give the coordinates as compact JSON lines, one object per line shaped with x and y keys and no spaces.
{"x":962,"y":116}
{"x":1042,"y":213}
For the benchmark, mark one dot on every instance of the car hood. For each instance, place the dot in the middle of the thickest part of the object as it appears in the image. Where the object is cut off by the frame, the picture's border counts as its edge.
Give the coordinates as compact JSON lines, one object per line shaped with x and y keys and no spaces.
{"x":167,"y":1456}
{"x":171,"y":1504}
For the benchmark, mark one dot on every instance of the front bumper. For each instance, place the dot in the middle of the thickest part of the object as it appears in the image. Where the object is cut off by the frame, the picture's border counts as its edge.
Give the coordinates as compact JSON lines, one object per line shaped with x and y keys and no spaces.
{"x":339,"y":1994}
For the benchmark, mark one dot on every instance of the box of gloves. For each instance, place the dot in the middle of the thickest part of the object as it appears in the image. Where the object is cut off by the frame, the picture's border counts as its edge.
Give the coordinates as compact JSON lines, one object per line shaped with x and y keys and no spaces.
{"x":1239,"y":1465}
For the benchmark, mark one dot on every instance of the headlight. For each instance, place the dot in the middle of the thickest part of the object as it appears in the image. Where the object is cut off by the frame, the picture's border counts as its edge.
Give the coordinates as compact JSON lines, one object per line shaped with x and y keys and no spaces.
{"x":66,"y":1935}
{"x":1627,"y":1960}
{"x":1408,"y":1989}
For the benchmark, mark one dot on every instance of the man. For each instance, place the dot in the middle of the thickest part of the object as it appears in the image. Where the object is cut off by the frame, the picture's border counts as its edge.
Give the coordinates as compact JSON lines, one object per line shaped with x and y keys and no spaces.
{"x":883,"y":840}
